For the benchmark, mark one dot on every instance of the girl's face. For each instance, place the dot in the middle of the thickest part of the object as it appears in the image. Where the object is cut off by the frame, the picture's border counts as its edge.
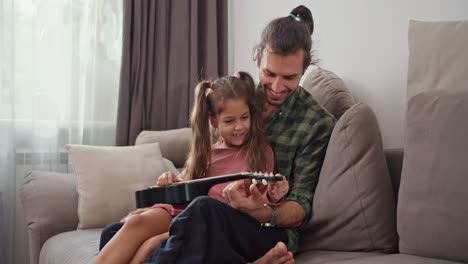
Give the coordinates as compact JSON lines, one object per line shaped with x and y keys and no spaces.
{"x":234,"y":121}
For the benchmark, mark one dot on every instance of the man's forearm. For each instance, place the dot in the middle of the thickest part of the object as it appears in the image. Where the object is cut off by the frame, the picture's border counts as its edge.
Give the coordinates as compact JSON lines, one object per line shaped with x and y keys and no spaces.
{"x":289,"y":214}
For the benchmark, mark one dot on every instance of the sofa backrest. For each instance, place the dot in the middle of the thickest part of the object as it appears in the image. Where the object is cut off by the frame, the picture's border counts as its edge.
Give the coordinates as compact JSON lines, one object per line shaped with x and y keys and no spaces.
{"x":432,"y":205}
{"x":174,"y":143}
{"x":329,"y":91}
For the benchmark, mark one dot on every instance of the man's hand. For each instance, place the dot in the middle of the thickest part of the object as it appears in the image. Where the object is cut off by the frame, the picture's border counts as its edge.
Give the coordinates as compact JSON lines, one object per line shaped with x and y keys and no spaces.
{"x":246,"y":198}
{"x":277,"y":190}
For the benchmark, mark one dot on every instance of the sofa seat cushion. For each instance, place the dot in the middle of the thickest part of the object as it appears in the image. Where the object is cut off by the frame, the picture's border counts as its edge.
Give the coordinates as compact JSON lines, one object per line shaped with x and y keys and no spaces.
{"x":321,"y":256}
{"x":354,"y":207}
{"x":394,"y":258}
{"x":72,"y":247}
{"x":432,"y":203}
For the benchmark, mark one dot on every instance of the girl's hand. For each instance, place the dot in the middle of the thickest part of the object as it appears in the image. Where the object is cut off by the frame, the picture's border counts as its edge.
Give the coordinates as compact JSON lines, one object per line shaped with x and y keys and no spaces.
{"x":167,"y":178}
{"x":277,"y":190}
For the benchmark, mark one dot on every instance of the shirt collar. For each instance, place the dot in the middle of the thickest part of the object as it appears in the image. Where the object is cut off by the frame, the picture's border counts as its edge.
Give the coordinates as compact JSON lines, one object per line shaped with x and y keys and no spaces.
{"x":287,"y":104}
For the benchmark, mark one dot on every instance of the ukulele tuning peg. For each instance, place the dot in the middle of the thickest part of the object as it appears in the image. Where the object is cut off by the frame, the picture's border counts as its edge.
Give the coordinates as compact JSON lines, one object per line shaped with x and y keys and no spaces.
{"x":271,"y":174}
{"x":264,"y":182}
{"x":254,"y":181}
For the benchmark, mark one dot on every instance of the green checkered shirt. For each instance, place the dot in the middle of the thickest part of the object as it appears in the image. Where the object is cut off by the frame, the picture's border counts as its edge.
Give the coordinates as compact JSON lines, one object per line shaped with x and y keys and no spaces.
{"x":299,"y":132}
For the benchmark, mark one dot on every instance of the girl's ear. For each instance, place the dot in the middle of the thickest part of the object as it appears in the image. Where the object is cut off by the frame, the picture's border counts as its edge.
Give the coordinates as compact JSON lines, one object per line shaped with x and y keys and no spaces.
{"x":213,"y":122}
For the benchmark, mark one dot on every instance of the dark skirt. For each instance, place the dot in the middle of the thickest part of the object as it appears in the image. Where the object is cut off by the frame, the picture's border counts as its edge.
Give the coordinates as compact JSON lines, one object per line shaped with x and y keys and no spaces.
{"x":210,"y":231}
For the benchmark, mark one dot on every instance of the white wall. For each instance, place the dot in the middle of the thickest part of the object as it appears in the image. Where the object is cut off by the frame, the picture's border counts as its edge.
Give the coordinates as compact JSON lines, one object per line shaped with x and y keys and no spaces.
{"x":363,"y":41}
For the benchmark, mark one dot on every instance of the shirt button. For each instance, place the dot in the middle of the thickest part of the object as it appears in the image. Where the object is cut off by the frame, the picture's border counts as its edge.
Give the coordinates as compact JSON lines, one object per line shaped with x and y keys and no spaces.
{"x":280,"y":113}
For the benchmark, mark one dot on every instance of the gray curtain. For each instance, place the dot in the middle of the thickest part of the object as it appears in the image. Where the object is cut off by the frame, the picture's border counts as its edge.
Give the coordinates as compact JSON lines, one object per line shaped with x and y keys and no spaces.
{"x":168,"y":46}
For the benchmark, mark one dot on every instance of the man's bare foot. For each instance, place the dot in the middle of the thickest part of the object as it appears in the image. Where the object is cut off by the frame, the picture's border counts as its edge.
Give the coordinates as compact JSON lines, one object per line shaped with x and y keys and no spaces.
{"x":277,"y":255}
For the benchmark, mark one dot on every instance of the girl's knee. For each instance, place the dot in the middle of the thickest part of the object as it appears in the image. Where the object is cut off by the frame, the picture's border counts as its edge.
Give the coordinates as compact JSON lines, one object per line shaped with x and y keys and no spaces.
{"x":134,"y":222}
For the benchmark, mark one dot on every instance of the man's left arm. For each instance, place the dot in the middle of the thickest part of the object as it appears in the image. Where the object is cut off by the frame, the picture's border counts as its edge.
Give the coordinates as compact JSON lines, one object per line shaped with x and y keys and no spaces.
{"x":308,"y":162}
{"x":288,"y":213}
{"x":296,"y":209}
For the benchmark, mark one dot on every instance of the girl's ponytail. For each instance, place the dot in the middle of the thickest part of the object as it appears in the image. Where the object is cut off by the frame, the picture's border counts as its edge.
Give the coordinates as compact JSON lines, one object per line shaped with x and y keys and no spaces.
{"x":200,"y":149}
{"x":247,"y":79}
{"x":256,"y":142}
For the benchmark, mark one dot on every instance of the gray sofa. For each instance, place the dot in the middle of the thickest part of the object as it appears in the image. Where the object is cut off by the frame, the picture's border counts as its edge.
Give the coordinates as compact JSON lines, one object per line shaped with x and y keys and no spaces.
{"x":355,"y":207}
{"x":50,"y":204}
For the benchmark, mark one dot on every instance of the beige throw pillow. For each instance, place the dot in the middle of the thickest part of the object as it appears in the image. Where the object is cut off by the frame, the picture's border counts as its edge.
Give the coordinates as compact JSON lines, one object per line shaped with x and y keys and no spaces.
{"x":438,"y":56}
{"x":353,"y":206}
{"x":107,"y":178}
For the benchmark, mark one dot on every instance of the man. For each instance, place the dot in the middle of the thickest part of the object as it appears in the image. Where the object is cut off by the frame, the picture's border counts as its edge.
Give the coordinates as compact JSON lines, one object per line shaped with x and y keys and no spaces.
{"x":246,"y":229}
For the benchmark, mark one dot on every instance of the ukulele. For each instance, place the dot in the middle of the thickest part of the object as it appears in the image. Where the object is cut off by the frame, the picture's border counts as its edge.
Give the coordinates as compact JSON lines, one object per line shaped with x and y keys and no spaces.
{"x":184,"y":192}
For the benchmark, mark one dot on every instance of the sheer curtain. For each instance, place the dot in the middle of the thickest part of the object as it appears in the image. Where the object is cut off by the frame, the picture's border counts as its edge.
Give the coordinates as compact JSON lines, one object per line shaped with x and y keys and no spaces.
{"x":59,"y":78}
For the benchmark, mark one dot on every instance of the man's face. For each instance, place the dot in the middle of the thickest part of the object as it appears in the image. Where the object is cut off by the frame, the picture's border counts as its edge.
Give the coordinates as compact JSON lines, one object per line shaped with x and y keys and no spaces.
{"x":280,"y":74}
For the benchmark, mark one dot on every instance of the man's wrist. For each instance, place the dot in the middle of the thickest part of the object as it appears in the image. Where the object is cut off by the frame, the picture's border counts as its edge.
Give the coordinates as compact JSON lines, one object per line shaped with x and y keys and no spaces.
{"x":272,"y":222}
{"x":270,"y":201}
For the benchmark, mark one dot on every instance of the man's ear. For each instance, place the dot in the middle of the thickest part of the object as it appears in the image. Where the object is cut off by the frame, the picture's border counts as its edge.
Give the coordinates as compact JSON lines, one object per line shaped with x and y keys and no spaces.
{"x":213,"y":122}
{"x":257,"y":56}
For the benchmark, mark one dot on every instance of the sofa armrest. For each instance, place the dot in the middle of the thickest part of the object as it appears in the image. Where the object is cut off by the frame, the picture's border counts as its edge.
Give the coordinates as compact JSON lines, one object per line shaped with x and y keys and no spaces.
{"x":50,"y":206}
{"x":394,"y":159}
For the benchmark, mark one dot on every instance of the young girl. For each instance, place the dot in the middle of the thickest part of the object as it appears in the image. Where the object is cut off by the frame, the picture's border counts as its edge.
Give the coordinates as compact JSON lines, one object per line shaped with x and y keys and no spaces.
{"x":229,"y":104}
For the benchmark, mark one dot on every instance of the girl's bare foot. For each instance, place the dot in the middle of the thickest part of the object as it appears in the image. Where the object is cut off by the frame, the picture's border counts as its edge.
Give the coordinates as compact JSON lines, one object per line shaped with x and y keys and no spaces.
{"x":277,"y":255}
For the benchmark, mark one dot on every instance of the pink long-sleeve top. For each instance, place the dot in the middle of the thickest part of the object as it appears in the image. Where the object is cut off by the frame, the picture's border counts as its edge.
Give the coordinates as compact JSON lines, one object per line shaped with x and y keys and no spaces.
{"x":225,"y":159}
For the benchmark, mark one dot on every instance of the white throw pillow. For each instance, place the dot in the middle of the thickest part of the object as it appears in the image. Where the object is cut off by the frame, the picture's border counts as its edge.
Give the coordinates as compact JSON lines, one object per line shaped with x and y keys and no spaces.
{"x":107,"y":178}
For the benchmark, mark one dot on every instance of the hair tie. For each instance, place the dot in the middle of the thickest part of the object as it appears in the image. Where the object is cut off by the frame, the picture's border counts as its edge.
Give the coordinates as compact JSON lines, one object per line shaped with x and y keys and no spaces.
{"x":294,"y":17}
{"x":237,"y":75}
{"x":208,"y":91}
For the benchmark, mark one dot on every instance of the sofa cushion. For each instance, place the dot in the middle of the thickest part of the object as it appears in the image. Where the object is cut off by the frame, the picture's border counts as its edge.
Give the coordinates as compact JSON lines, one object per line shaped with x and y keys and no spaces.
{"x":321,"y":257}
{"x":440,"y":65}
{"x":72,"y":247}
{"x":392,"y":259}
{"x":432,"y":209}
{"x":353,"y":207}
{"x":107,"y":178}
{"x":174,"y":143}
{"x":329,"y":91}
